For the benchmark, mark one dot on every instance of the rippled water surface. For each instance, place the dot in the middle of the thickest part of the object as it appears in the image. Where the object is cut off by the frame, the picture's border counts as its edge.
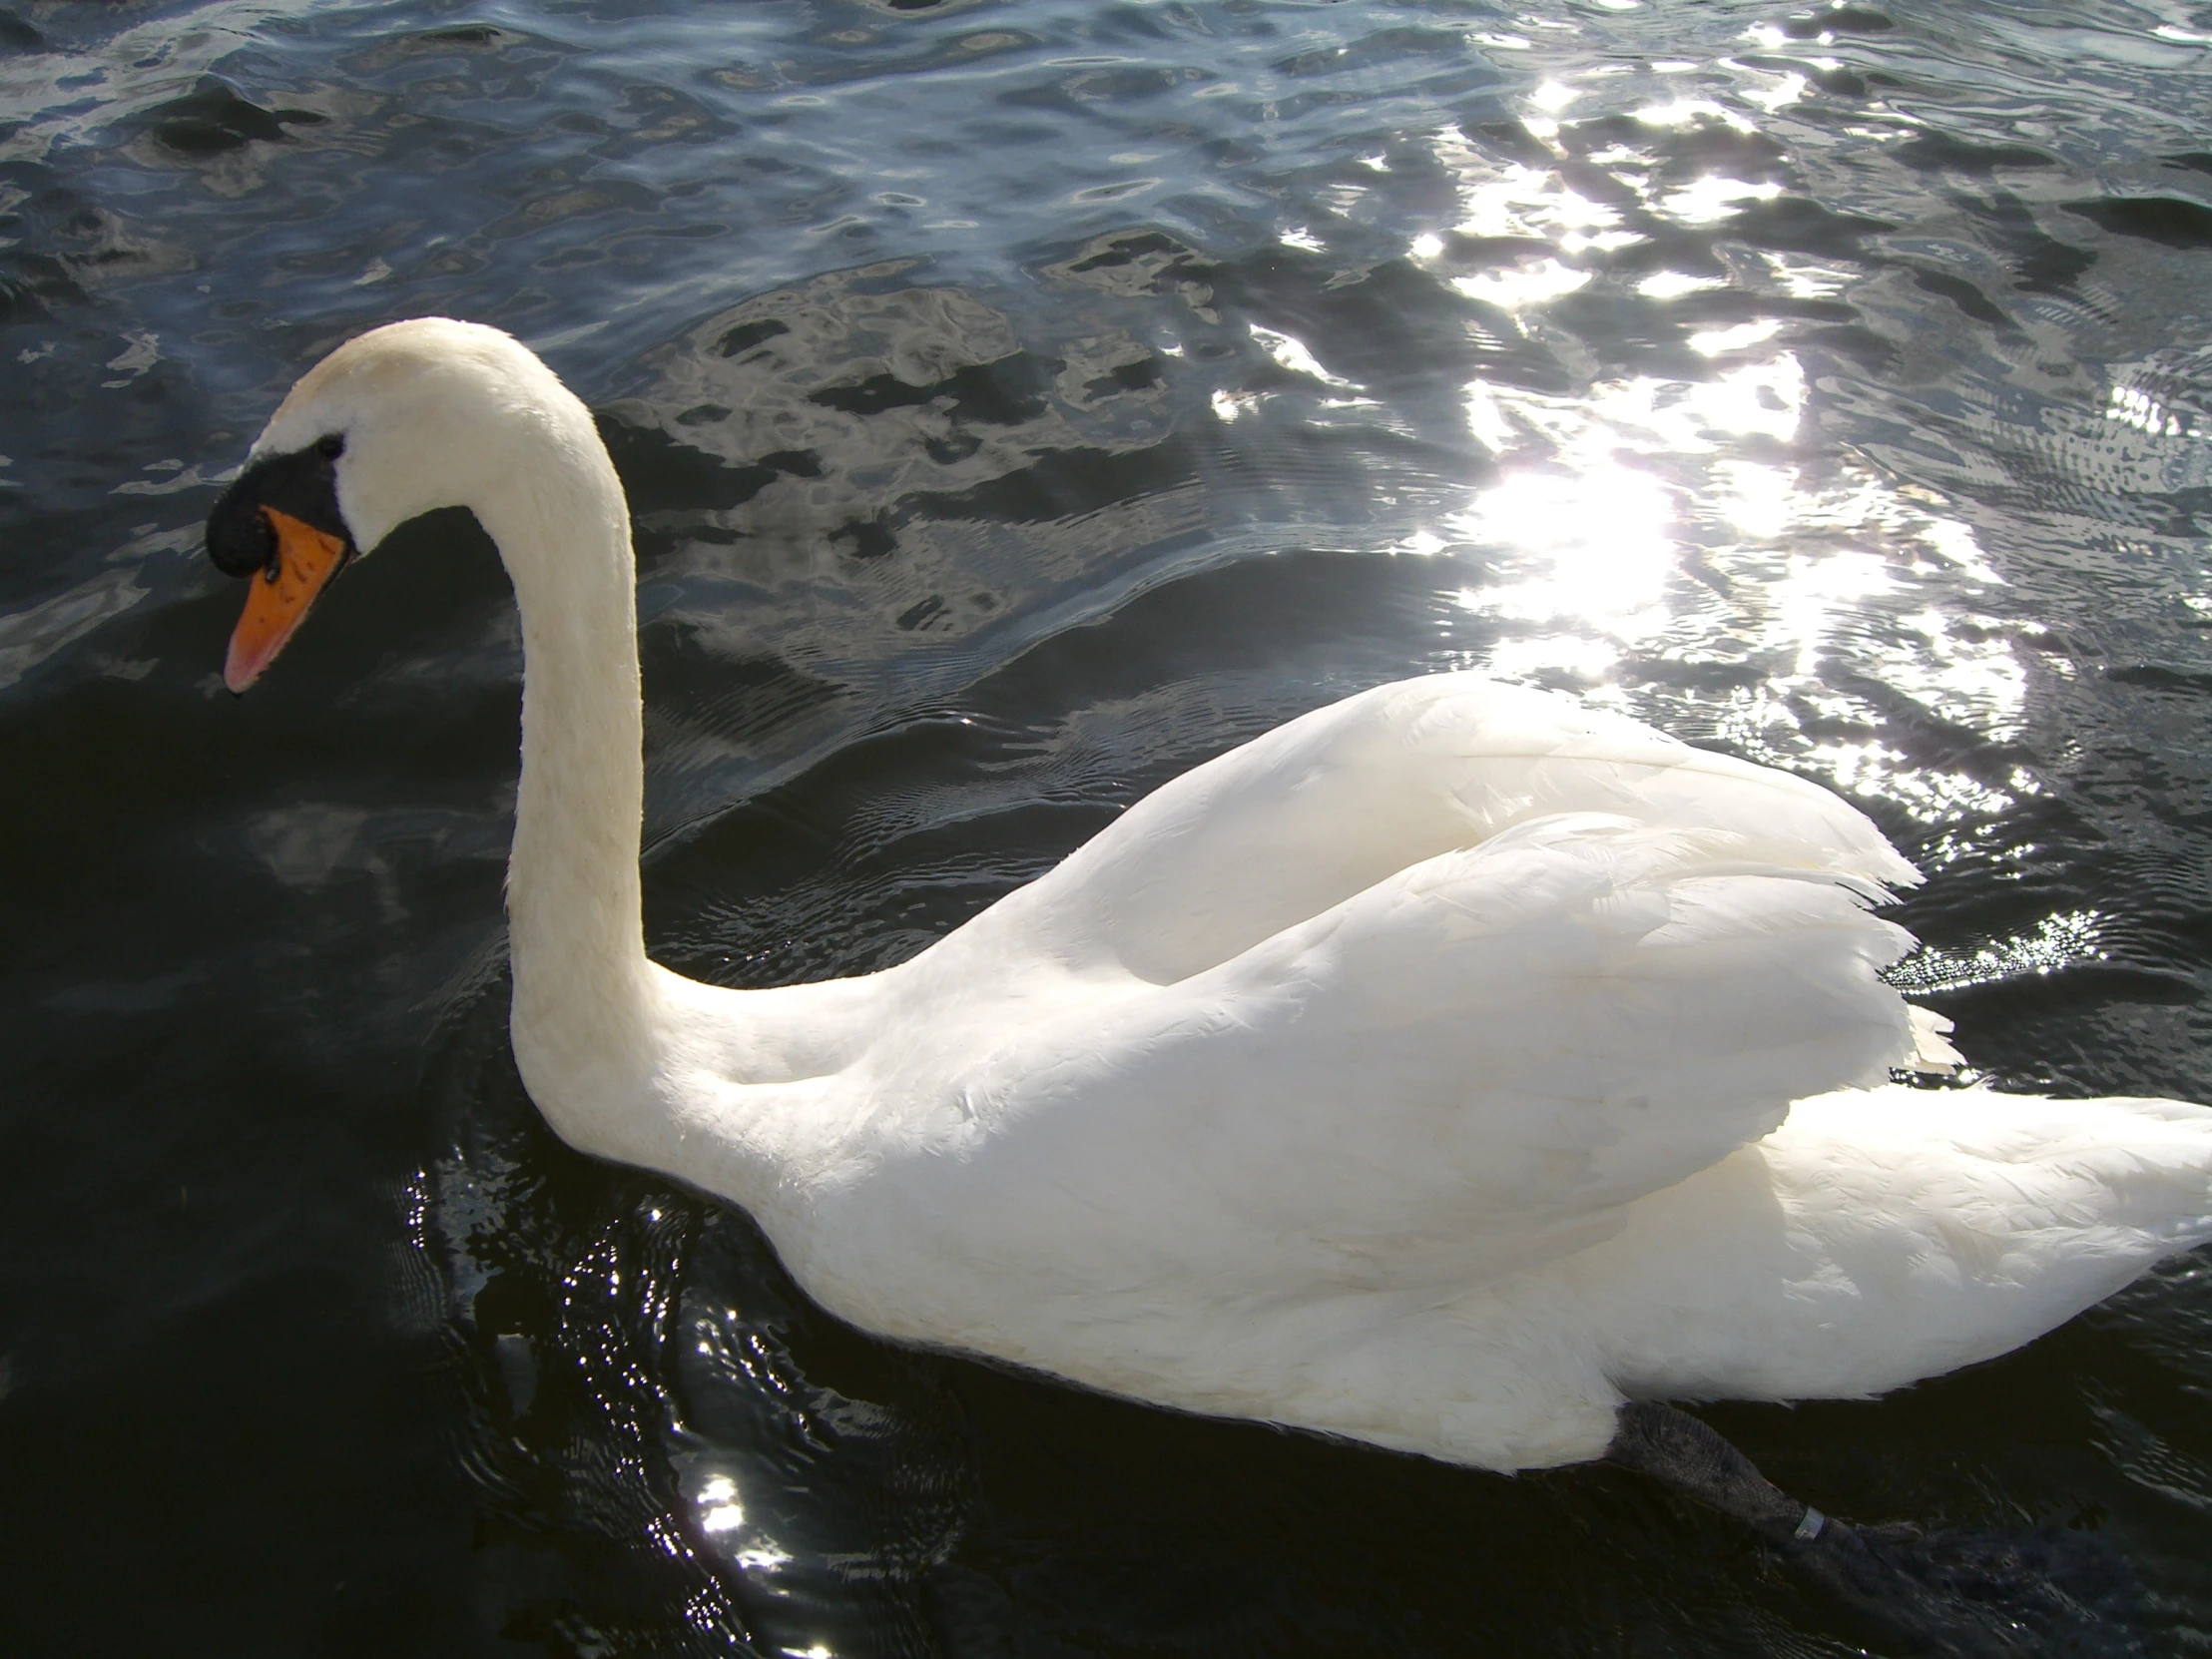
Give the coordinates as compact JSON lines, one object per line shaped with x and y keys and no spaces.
{"x":1020,"y":404}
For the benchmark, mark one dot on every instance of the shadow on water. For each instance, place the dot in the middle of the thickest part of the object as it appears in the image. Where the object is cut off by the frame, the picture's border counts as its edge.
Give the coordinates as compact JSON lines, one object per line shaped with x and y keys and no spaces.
{"x":1020,"y":404}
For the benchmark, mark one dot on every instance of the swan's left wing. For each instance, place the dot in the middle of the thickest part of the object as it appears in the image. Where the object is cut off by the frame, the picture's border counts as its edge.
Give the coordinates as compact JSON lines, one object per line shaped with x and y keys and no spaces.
{"x":1464,"y":1069}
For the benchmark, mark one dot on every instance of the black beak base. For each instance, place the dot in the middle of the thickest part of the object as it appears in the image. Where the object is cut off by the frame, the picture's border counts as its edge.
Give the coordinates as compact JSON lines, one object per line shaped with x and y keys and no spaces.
{"x":304,"y":484}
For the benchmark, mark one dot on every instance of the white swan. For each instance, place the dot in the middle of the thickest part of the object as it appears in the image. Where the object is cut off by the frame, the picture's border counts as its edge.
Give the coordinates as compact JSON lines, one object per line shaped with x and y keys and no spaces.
{"x":1421,"y":1073}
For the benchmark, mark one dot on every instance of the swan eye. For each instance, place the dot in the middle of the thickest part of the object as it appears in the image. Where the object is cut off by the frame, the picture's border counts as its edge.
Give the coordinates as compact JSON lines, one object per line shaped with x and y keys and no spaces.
{"x":332,"y":448}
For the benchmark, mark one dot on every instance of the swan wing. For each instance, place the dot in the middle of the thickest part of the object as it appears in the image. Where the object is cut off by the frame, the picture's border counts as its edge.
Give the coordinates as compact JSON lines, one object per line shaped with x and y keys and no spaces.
{"x":1327,"y":805}
{"x":1461,"y":1070}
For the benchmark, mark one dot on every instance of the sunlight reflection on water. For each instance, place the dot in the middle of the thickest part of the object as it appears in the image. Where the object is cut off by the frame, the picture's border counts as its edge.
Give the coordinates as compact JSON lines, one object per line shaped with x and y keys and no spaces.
{"x":1683,"y":511}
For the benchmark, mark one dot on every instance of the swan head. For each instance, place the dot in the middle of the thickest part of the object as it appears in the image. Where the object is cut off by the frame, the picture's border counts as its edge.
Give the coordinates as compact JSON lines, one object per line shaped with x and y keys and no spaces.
{"x":394,"y":424}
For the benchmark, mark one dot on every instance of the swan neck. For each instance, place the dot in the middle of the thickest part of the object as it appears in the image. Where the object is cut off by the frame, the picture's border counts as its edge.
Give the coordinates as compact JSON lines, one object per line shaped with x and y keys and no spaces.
{"x":582,"y":1020}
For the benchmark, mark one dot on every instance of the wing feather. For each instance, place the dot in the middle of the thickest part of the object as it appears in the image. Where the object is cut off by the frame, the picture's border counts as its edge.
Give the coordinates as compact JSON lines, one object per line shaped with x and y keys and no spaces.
{"x":1462,"y":1069}
{"x":1329,"y":804}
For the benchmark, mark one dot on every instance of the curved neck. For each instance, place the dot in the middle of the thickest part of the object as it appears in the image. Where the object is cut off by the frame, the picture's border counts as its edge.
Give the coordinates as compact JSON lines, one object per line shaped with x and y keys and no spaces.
{"x":622,"y":1056}
{"x":582,"y":1024}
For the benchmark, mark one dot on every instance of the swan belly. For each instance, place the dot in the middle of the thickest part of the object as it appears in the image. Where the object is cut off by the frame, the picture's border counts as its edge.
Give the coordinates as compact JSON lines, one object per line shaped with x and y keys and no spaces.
{"x":1471,"y":1380}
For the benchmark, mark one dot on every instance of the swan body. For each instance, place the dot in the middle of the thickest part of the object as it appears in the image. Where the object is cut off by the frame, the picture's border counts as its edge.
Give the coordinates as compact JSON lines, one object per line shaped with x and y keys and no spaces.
{"x":1440,"y":1070}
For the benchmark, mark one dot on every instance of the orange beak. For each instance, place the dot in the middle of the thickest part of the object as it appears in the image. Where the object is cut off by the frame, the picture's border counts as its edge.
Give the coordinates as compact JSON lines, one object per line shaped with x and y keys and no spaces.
{"x":280,"y":596}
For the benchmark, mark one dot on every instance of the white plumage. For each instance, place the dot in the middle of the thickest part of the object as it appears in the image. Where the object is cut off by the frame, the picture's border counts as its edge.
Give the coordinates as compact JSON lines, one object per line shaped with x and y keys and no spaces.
{"x":1422,"y":1072}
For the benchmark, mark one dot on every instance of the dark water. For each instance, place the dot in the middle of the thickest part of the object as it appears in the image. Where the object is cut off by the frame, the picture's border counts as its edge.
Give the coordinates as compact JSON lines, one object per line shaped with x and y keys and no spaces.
{"x":1020,"y":404}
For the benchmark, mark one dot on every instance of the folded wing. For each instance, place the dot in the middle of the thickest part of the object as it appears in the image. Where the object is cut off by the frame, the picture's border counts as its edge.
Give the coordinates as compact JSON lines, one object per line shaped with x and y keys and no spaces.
{"x":1461,"y":1070}
{"x":1331,"y":804}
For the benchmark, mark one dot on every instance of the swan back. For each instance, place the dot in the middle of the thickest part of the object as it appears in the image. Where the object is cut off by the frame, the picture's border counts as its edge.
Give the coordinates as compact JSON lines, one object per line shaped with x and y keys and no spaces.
{"x":1338,"y":800}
